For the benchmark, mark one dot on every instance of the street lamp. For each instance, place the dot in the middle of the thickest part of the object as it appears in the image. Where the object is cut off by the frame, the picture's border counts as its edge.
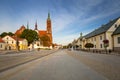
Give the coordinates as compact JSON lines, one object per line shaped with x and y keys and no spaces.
{"x":17,"y":43}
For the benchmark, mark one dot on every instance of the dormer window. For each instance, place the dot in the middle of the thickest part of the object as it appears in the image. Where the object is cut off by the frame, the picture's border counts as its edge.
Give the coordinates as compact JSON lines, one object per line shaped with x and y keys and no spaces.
{"x":1,"y":46}
{"x":115,"y":25}
{"x":12,"y":42}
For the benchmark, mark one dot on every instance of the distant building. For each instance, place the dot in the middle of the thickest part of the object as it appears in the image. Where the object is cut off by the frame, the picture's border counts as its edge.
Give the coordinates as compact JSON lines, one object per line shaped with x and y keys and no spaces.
{"x":12,"y":41}
{"x":79,"y":42}
{"x":57,"y":46}
{"x":35,"y":45}
{"x":41,"y":33}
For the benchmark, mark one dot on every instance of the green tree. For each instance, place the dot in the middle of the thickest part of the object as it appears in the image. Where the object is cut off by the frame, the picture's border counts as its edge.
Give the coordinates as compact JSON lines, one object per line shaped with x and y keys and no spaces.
{"x":45,"y":40}
{"x":89,"y":45}
{"x":5,"y":33}
{"x":65,"y":47}
{"x":30,"y":35}
{"x":10,"y":34}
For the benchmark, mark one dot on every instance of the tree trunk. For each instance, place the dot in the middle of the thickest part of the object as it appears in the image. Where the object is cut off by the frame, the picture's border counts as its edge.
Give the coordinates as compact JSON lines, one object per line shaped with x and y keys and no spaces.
{"x":106,"y":50}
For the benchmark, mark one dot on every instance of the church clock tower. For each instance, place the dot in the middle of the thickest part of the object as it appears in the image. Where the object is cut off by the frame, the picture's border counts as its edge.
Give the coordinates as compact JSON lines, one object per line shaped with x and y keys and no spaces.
{"x":49,"y":28}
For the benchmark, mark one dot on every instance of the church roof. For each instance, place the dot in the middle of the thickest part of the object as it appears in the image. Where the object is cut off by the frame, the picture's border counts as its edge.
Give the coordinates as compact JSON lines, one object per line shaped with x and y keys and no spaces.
{"x":22,"y":27}
{"x":117,"y":31}
{"x":19,"y":31}
{"x":15,"y":38}
{"x":42,"y":32}
{"x":102,"y":29}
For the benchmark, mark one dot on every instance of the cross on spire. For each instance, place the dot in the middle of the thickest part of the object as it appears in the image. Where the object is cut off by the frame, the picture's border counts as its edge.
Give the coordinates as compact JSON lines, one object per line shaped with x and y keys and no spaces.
{"x":36,"y":25}
{"x":27,"y":25}
{"x":48,"y":16}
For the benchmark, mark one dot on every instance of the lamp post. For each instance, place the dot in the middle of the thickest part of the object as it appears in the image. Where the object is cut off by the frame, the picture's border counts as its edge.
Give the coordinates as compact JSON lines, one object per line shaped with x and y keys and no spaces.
{"x":33,"y":45}
{"x":17,"y":43}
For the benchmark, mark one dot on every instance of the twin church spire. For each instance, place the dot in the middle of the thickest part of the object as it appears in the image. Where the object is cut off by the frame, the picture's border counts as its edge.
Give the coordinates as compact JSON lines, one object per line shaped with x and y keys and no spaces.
{"x":36,"y":27}
{"x":48,"y":30}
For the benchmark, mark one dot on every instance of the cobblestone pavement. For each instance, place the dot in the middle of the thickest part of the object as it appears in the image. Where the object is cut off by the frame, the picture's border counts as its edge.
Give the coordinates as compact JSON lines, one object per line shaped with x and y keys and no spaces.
{"x":11,"y":60}
{"x":107,"y":65}
{"x":61,"y":65}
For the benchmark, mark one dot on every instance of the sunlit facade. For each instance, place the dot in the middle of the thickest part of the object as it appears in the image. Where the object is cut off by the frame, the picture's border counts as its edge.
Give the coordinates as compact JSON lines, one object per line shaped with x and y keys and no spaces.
{"x":105,"y":32}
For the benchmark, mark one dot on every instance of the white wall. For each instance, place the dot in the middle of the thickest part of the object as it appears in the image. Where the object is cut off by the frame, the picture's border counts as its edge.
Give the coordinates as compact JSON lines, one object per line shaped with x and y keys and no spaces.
{"x":2,"y":46}
{"x":115,"y":37}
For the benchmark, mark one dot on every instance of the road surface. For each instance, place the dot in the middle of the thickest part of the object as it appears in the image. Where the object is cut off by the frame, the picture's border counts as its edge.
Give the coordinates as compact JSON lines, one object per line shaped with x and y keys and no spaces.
{"x":13,"y":59}
{"x":61,"y":65}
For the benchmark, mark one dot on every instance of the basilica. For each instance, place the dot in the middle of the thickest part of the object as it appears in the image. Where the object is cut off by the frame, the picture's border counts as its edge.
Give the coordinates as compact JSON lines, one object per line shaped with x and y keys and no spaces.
{"x":47,"y":32}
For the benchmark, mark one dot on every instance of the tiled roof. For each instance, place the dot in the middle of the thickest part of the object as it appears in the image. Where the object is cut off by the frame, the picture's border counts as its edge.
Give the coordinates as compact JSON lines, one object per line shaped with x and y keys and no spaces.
{"x":15,"y":38}
{"x":117,"y":31}
{"x":1,"y":41}
{"x":19,"y":31}
{"x":102,"y":29}
{"x":42,"y":32}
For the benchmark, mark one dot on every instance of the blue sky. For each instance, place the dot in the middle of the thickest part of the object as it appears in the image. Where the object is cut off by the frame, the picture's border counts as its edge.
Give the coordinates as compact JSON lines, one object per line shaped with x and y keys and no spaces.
{"x":69,"y":17}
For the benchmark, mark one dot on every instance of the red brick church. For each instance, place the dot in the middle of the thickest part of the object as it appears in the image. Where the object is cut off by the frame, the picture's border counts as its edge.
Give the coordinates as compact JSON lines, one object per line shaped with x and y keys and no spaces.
{"x":47,"y":32}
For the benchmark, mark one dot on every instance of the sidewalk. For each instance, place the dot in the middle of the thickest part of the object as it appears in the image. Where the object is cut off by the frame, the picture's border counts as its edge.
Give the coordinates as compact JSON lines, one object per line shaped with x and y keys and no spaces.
{"x":11,"y":51}
{"x":111,"y":53}
{"x":7,"y":51}
{"x":9,"y":61}
{"x":107,"y":65}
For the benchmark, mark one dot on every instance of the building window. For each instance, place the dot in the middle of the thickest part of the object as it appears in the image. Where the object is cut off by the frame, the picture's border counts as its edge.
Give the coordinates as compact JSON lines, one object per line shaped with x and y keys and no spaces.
{"x":95,"y":39}
{"x":115,"y":25}
{"x":100,"y":37}
{"x":7,"y":42}
{"x":100,"y":45}
{"x":37,"y":44}
{"x":95,"y":46}
{"x":12,"y":42}
{"x":118,"y":40}
{"x":7,"y":38}
{"x":92,"y":39}
{"x":1,"y":46}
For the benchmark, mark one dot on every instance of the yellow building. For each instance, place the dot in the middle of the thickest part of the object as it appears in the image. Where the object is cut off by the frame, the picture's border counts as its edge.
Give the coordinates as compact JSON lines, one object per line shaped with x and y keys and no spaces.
{"x":11,"y":43}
